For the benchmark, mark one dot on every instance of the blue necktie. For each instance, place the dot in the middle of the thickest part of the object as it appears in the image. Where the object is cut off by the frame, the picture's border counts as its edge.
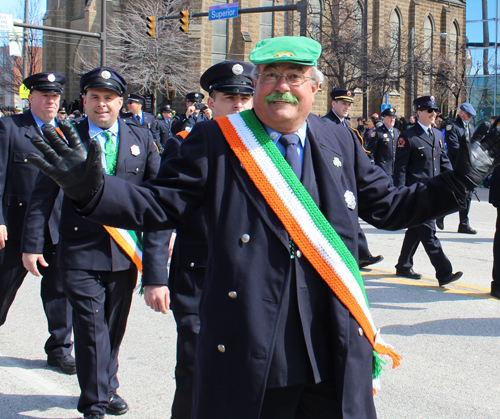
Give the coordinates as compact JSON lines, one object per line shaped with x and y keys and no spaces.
{"x":290,"y":142}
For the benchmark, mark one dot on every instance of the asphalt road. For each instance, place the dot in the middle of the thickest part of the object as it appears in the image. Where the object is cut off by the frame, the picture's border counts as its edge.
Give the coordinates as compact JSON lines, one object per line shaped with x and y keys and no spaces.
{"x":448,"y":337}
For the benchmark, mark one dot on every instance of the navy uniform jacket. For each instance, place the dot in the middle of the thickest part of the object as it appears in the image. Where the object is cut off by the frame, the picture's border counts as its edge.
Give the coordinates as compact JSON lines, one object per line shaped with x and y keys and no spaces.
{"x":332,"y":116}
{"x":84,"y":244}
{"x":453,"y":132}
{"x":494,"y":196}
{"x":17,"y":177}
{"x":246,"y":279}
{"x":164,"y":130}
{"x":187,"y":122}
{"x":383,"y":148}
{"x":148,"y":121}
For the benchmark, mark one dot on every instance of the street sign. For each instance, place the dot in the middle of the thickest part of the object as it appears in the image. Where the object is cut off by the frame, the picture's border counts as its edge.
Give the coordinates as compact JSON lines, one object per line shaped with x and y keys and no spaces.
{"x":6,"y":23}
{"x":223,"y":11}
{"x":385,"y":106}
{"x":24,"y":92}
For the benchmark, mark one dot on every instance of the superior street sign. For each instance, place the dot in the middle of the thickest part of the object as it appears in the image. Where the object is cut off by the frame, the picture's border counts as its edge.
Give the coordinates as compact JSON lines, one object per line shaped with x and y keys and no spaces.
{"x":223,"y":11}
{"x":6,"y":23}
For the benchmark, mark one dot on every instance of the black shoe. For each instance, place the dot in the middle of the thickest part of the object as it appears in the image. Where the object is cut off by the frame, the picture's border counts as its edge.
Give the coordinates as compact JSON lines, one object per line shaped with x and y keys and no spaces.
{"x":66,"y":364}
{"x":495,"y":293}
{"x":93,"y":417}
{"x":408,"y":273}
{"x":466,"y":230}
{"x":440,"y":223}
{"x":452,"y":277}
{"x":116,"y":406}
{"x":371,"y":260}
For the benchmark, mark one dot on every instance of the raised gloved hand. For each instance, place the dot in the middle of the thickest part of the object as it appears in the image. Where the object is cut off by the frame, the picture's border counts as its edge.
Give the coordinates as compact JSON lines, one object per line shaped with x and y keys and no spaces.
{"x":76,"y":171}
{"x":478,"y":157}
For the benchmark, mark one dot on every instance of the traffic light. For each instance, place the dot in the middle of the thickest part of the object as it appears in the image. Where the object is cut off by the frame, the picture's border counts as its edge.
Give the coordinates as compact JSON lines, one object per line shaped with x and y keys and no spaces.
{"x":184,"y":21}
{"x":151,"y":26}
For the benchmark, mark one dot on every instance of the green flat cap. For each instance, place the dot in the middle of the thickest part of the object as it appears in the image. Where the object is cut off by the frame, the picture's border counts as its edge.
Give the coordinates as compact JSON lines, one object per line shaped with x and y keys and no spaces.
{"x":290,"y":49}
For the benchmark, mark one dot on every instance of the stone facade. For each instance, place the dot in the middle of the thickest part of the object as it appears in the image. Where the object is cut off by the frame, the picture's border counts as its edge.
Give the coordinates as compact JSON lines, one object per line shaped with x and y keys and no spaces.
{"x":242,"y":34}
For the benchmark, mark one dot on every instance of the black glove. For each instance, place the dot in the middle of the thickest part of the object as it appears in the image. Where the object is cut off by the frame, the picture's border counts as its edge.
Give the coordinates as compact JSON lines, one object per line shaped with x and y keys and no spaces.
{"x":77,"y":172}
{"x":477,"y":158}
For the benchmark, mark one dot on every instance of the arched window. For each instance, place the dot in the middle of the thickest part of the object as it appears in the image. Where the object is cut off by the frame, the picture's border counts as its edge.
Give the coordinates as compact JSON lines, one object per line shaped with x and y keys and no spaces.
{"x":427,"y":55}
{"x":454,"y":31}
{"x":395,"y":41}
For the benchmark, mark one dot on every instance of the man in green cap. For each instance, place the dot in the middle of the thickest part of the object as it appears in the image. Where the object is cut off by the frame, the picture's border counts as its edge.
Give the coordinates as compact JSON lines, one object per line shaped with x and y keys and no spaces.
{"x":285,"y":329}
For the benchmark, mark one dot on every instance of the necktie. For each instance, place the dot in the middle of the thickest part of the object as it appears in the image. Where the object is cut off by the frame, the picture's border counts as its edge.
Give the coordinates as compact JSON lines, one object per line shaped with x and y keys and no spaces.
{"x":138,"y":117}
{"x":110,"y":153}
{"x":431,"y":134}
{"x":392,"y":133}
{"x":292,"y":156}
{"x":467,"y":130}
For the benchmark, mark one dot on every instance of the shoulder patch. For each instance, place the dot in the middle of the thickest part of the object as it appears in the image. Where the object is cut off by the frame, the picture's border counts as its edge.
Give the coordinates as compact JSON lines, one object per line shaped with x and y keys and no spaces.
{"x":374,"y":133}
{"x":401,"y":142}
{"x":449,"y":127}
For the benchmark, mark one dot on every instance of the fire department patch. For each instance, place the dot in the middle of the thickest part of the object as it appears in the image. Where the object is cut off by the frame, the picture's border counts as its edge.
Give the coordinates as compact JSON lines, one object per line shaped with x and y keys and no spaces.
{"x":401,"y":142}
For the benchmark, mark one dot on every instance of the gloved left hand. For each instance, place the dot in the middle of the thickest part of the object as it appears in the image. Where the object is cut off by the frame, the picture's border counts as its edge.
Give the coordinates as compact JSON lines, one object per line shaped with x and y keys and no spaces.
{"x":477,"y":158}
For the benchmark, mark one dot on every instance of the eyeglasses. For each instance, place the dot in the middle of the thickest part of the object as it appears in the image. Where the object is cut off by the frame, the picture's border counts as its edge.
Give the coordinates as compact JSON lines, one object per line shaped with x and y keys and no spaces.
{"x":430,"y":110}
{"x":293,"y":79}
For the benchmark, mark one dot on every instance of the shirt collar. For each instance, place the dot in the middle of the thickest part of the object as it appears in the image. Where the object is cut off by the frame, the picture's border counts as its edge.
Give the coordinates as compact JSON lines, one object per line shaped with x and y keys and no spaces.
{"x":341,"y":119}
{"x":40,"y":123}
{"x":389,"y":129}
{"x":424,"y":127}
{"x":94,"y":130}
{"x":275,"y":135}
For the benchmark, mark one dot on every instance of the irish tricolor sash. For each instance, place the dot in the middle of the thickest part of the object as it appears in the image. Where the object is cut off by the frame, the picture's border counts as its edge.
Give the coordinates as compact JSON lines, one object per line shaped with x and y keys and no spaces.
{"x":303,"y":220}
{"x":129,"y":242}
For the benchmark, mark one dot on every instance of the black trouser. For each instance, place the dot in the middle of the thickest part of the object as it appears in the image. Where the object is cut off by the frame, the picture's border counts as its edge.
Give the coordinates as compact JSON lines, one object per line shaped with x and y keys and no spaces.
{"x":188,"y":328}
{"x":496,"y":256}
{"x":363,"y":251}
{"x":425,"y":234}
{"x":304,"y":401}
{"x":55,"y":303}
{"x":101,"y":304}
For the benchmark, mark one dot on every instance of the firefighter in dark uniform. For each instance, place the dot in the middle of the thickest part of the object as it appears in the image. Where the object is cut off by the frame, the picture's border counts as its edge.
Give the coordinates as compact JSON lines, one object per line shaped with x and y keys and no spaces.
{"x":456,"y":129}
{"x":192,"y":115}
{"x":17,"y":179}
{"x":99,"y":274}
{"x":382,"y":143}
{"x":135,"y":104}
{"x":420,"y":155}
{"x":342,"y":100}
{"x":230,"y":87}
{"x":494,"y":199}
{"x":165,"y":124}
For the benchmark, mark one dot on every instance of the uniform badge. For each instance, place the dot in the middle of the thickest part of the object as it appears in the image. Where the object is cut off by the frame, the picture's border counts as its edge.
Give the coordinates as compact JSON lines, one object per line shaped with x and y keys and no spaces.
{"x":350,"y":200}
{"x":349,"y":93}
{"x":283,"y":54}
{"x":401,"y":142}
{"x":337,"y":162}
{"x":449,"y":127}
{"x":433,"y":98}
{"x":106,"y":74}
{"x":135,"y":150}
{"x":373,"y":134}
{"x":385,"y":135}
{"x":237,"y":69}
{"x":51,"y":78}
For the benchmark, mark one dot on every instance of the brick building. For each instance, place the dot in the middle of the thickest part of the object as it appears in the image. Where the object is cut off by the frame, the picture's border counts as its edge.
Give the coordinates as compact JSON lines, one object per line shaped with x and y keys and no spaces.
{"x":430,"y":29}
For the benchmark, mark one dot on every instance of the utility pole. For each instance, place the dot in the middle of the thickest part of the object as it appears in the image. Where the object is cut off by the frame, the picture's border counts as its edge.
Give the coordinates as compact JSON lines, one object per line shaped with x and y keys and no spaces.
{"x":25,"y":43}
{"x":103,"y":33}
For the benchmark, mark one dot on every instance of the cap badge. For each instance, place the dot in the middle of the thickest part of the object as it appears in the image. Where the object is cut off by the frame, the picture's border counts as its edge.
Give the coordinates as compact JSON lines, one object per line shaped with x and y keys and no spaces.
{"x":106,"y":74}
{"x":237,"y":69}
{"x":349,"y":93}
{"x":135,"y":150}
{"x":283,"y":54}
{"x":51,"y":78}
{"x":433,"y":98}
{"x":337,"y":162}
{"x":350,"y":200}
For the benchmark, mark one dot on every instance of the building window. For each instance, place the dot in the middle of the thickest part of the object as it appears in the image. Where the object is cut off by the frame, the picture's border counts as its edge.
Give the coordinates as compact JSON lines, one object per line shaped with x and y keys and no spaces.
{"x":395,"y":49}
{"x":454,"y":47}
{"x":427,"y":56}
{"x":219,"y":37}
{"x":266,"y":20}
{"x":314,"y":18}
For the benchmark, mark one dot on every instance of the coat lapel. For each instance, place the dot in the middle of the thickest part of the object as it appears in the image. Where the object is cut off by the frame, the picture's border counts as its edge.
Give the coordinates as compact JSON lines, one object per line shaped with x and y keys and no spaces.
{"x":423,"y":135}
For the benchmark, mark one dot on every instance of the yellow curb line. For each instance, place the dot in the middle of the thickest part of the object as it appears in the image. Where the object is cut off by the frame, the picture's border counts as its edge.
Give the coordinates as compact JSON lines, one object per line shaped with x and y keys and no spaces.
{"x":479,"y":292}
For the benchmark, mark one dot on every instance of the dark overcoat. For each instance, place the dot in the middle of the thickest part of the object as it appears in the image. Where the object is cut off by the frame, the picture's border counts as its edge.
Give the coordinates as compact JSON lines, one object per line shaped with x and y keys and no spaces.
{"x":17,"y":176}
{"x":230,"y":380}
{"x":455,"y":131}
{"x":382,"y":147}
{"x":86,"y":245}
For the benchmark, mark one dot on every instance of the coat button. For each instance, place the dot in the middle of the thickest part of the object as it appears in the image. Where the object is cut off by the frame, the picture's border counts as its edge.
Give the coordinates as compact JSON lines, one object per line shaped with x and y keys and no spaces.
{"x":20,"y":204}
{"x":136,"y":169}
{"x":26,"y":160}
{"x":221,"y":348}
{"x":233,"y":295}
{"x":245,"y":238}
{"x":360,"y":332}
{"x":76,"y":229}
{"x":191,"y":265}
{"x":298,"y":253}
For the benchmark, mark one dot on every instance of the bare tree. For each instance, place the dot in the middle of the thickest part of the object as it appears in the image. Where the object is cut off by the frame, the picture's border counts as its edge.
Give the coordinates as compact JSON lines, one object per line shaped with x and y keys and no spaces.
{"x":149,"y":64}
